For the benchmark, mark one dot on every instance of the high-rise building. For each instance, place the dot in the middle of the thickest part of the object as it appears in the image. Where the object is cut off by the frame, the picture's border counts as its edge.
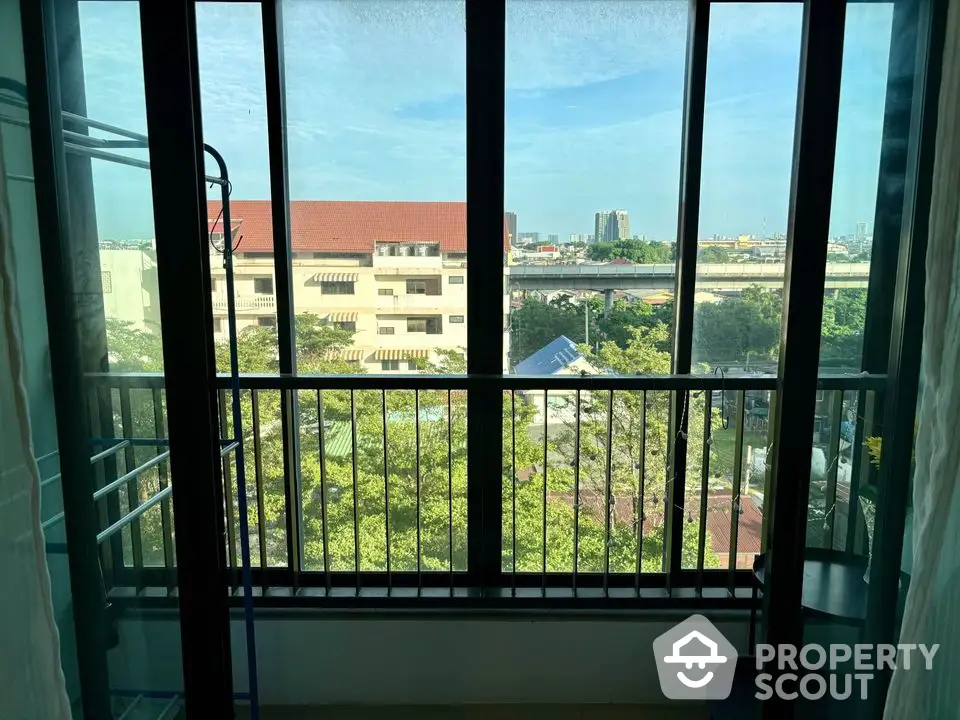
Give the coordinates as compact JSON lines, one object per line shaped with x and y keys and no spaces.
{"x":581,"y":238}
{"x":530,"y":237}
{"x":512,"y":226}
{"x":611,"y":225}
{"x":553,"y":239}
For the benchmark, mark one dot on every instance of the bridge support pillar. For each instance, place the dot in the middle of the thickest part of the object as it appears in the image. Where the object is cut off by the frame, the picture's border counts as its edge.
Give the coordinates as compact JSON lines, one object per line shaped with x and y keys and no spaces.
{"x":607,"y":302}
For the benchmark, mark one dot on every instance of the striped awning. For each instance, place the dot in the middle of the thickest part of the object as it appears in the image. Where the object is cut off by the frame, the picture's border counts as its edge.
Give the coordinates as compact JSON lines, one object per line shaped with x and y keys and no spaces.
{"x":335,"y":277}
{"x":338,"y":317}
{"x":351,"y":354}
{"x":399,"y":354}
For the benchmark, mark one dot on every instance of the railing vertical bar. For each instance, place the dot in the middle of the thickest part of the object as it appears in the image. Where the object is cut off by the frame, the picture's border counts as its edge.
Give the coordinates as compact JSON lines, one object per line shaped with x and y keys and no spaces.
{"x":546,"y":414}
{"x":859,"y":465}
{"x":737,"y":503}
{"x":450,"y":484}
{"x":576,"y":495}
{"x":133,"y":487}
{"x":608,"y":496}
{"x":513,"y":497}
{"x":165,"y":519}
{"x":704,"y":486}
{"x":227,"y":486}
{"x":258,"y":475}
{"x":321,"y":460}
{"x":356,"y":502}
{"x":102,"y":408}
{"x":386,"y":489}
{"x":833,"y":462}
{"x":641,"y":473}
{"x":416,"y":412}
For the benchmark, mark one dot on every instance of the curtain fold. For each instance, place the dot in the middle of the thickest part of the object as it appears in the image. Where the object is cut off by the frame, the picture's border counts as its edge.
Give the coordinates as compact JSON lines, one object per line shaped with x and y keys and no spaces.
{"x":933,"y":601}
{"x":31,"y":679}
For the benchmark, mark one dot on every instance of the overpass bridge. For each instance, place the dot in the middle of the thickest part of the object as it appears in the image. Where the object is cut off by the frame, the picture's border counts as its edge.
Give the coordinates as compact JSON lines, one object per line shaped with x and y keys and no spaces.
{"x":715,"y":277}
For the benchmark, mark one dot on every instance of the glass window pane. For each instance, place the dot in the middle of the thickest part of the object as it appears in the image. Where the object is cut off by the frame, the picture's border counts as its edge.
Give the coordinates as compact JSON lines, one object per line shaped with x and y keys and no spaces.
{"x":233,"y":101}
{"x":377,"y":162}
{"x":594,"y":112}
{"x":854,"y":211}
{"x":751,"y":97}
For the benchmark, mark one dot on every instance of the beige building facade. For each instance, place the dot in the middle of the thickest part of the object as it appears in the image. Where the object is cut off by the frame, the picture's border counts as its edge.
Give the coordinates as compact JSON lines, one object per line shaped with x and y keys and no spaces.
{"x":394,"y":273}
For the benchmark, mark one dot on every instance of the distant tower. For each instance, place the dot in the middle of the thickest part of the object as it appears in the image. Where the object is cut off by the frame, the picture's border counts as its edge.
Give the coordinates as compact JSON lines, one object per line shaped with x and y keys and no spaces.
{"x":611,"y":225}
{"x":861,"y":233}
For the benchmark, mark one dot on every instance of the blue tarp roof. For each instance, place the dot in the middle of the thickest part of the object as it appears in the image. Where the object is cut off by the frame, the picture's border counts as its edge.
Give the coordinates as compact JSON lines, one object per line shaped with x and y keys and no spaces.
{"x":551,"y":358}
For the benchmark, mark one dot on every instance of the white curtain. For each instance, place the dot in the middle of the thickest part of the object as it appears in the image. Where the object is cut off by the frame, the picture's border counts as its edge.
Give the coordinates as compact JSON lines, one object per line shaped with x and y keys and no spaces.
{"x":933,"y":602}
{"x":31,"y":680}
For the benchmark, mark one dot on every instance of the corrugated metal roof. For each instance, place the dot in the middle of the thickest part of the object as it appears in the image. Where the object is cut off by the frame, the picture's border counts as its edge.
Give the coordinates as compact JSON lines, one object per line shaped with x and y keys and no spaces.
{"x":551,"y":358}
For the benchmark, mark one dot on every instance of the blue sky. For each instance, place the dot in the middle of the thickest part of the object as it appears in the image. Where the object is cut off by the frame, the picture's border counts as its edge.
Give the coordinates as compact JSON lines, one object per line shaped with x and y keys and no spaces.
{"x":376,"y":101}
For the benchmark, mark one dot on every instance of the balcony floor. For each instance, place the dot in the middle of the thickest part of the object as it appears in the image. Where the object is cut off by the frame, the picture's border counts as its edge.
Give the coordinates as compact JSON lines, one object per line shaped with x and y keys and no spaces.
{"x":696,"y":711}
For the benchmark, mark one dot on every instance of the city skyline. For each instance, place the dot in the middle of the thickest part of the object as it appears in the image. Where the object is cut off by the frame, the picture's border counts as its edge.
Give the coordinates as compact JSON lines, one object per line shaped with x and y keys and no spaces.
{"x":589,"y":124}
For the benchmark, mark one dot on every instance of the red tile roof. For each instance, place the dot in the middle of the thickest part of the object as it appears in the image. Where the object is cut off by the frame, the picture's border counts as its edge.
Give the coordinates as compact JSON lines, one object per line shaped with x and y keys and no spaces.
{"x":351,"y":227}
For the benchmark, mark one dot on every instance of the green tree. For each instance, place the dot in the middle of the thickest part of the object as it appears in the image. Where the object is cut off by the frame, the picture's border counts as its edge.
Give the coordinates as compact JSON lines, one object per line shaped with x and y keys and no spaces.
{"x":634,"y":250}
{"x":369,"y":484}
{"x":742,"y":330}
{"x":536,"y":322}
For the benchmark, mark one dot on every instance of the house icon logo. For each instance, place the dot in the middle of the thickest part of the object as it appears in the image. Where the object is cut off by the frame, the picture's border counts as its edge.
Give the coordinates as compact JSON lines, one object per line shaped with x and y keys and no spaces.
{"x":695,"y":661}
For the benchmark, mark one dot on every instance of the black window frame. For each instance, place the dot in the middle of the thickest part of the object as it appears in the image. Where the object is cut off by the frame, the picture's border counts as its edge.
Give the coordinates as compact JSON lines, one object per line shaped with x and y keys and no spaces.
{"x":485,"y":380}
{"x":261,"y":282}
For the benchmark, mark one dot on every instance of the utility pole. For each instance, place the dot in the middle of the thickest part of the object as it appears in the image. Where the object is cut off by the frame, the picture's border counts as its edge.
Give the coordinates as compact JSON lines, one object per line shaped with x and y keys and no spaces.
{"x":586,"y":322}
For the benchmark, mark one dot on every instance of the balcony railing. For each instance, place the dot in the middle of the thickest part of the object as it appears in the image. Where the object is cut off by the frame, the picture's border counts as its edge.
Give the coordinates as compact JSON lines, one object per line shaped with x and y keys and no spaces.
{"x":374,"y":508}
{"x":245,"y":303}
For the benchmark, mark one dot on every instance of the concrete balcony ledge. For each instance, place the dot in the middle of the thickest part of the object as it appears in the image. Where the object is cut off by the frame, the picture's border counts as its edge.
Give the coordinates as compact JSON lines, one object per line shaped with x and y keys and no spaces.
{"x":245,"y":303}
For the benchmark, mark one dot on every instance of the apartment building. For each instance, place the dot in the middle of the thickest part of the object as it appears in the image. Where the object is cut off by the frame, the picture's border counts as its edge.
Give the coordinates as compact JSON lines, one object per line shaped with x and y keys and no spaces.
{"x":128,"y":276}
{"x":395,"y":273}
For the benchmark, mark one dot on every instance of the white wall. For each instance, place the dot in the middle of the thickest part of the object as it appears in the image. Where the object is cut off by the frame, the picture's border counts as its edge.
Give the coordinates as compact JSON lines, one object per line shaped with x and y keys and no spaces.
{"x":422,"y":660}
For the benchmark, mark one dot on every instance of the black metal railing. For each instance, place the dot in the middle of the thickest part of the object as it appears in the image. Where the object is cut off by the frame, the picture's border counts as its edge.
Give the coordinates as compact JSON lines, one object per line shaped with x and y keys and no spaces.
{"x":382,"y":502}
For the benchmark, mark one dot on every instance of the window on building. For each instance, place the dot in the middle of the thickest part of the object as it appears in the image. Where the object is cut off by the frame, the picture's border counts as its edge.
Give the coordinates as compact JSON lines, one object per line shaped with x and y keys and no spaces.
{"x":431,"y":325}
{"x":263,"y":285}
{"x":337,"y":288}
{"x":386,"y":331}
{"x":423,"y":286}
{"x":349,"y":325}
{"x":456,"y":279}
{"x":456,"y":319}
{"x":389,"y":365}
{"x":267,"y":321}
{"x":106,"y":279}
{"x":385,"y":291}
{"x":258,"y":255}
{"x":415,"y":364}
{"x":217,"y":325}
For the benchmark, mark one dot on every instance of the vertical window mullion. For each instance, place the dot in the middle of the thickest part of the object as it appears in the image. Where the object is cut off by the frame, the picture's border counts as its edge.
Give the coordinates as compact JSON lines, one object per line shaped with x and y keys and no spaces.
{"x":168,"y":36}
{"x":486,"y":47}
{"x":691,"y":157}
{"x":272,"y":22}
{"x":811,"y":193}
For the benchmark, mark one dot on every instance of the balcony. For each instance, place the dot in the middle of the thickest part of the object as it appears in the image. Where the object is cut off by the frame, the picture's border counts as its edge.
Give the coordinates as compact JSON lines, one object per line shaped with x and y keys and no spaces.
{"x":245,"y":304}
{"x":402,"y":304}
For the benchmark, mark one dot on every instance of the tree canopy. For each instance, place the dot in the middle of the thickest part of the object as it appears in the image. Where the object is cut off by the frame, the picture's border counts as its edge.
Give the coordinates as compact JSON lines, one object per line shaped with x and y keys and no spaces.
{"x":369,"y":460}
{"x":634,"y":250}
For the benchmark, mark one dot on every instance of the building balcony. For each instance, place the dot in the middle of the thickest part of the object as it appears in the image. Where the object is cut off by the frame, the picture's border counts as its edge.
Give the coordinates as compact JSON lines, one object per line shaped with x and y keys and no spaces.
{"x":400,"y":304}
{"x":405,"y":265}
{"x":254,"y":304}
